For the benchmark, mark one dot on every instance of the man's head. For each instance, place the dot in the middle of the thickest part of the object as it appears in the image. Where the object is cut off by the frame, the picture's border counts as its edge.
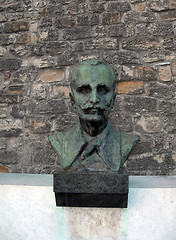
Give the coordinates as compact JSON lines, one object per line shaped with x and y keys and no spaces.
{"x":93,"y":90}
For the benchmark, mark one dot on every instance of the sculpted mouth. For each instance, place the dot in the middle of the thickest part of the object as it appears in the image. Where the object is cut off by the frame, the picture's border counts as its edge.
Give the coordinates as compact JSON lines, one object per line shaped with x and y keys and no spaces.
{"x":93,"y":111}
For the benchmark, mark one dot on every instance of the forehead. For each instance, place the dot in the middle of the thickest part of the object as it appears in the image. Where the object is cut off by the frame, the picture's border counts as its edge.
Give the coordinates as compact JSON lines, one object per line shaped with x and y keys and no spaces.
{"x":94,"y":75}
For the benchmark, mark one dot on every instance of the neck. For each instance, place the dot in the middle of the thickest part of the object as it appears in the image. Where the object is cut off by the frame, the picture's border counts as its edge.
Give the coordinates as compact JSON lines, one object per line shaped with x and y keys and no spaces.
{"x":93,"y":128}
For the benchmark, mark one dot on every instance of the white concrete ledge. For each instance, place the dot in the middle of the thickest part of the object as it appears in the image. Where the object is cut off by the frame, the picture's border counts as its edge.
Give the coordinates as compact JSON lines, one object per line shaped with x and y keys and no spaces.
{"x":28,"y":211}
{"x":47,"y":180}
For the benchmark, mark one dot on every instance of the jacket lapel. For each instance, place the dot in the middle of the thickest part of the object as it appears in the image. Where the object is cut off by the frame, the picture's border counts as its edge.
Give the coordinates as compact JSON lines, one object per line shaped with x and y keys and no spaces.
{"x":73,"y":144}
{"x":111,"y":150}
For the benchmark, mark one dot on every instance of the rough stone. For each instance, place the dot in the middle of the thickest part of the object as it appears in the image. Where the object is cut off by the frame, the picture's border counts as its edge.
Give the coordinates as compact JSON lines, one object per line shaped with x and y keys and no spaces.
{"x":50,"y":107}
{"x":168,"y":15}
{"x":94,"y":19}
{"x":33,"y":27}
{"x":3,"y":17}
{"x":65,"y":22}
{"x":10,"y":64}
{"x":10,"y":128}
{"x":143,"y":147}
{"x":145,"y":73}
{"x":83,"y":20}
{"x":46,"y":22}
{"x":2,"y":51}
{"x":38,"y":49}
{"x":19,"y":51}
{"x":51,"y":75}
{"x":75,"y":33}
{"x":111,"y":18}
{"x":161,"y":142}
{"x":39,"y":91}
{"x":23,"y":75}
{"x":54,"y":48}
{"x":3,"y":112}
{"x":7,"y":39}
{"x":170,"y":123}
{"x":157,"y":5}
{"x":174,"y":68}
{"x":169,"y":43}
{"x":140,"y":104}
{"x":75,"y":8}
{"x":121,"y":57}
{"x":23,"y":38}
{"x":42,"y":62}
{"x":142,"y":29}
{"x":122,"y":122}
{"x":117,"y":30}
{"x":1,"y":77}
{"x":3,"y":143}
{"x":120,"y":6}
{"x":100,"y":31}
{"x":40,"y":158}
{"x":150,"y":123}
{"x":9,"y":157}
{"x":40,"y":125}
{"x":94,"y":7}
{"x":141,"y":7}
{"x":165,"y":74}
{"x":7,"y":75}
{"x":18,"y":111}
{"x":127,"y":73}
{"x":167,"y":107}
{"x":155,"y":56}
{"x":138,"y":17}
{"x":67,"y":59}
{"x":136,"y":1}
{"x":78,"y":46}
{"x":161,"y":29}
{"x":59,"y":92}
{"x":140,"y":43}
{"x":11,"y":98}
{"x":130,"y":87}
{"x":159,"y":90}
{"x":146,"y":163}
{"x":105,"y":43}
{"x":64,"y":122}
{"x":10,"y":27}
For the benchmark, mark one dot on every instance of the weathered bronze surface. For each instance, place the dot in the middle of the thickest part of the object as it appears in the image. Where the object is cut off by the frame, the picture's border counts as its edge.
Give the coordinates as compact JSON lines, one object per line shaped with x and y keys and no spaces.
{"x":93,"y":144}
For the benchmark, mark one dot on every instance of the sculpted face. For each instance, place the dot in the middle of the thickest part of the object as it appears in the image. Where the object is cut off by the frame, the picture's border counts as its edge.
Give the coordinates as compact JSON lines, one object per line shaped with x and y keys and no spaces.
{"x":93,"y":91}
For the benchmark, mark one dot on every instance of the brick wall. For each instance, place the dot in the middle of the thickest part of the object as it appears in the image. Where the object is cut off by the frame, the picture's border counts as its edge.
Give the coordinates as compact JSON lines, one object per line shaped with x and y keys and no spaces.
{"x":40,"y":41}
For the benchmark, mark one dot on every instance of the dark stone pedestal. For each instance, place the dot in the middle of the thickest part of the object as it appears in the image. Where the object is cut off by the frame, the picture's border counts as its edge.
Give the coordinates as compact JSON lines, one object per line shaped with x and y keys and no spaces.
{"x":100,"y":189}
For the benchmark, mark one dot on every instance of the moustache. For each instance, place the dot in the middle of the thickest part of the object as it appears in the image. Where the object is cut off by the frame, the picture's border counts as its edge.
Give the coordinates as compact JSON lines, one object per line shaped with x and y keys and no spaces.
{"x":93,"y":109}
{"x":88,"y":107}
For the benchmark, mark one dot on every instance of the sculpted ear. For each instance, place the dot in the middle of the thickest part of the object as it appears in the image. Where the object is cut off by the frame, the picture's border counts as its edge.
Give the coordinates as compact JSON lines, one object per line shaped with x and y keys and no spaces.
{"x":113,"y":99}
{"x":72,"y":100}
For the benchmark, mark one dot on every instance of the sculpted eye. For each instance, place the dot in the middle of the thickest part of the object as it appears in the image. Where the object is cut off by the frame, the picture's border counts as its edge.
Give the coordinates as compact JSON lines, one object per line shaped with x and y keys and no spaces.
{"x":102,"y":89}
{"x":84,"y":89}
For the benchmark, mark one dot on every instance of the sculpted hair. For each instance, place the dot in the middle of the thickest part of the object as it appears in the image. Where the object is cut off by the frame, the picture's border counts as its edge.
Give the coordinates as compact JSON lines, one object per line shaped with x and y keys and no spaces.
{"x":90,"y":63}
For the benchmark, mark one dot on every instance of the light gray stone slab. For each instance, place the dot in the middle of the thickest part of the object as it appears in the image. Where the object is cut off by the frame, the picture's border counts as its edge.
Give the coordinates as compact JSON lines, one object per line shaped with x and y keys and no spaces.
{"x":28,"y":211}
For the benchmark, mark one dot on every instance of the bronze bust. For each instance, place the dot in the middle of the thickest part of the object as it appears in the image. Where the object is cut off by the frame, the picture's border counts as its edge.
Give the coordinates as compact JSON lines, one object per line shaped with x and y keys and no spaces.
{"x":93,"y":144}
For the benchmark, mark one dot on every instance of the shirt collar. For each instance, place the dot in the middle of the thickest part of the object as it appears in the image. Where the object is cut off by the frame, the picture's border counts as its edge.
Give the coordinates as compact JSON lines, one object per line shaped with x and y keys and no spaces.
{"x":98,"y":140}
{"x":78,"y":140}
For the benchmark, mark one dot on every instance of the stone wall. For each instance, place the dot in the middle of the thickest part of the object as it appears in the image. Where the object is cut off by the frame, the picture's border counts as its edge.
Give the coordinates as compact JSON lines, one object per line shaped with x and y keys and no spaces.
{"x":40,"y":42}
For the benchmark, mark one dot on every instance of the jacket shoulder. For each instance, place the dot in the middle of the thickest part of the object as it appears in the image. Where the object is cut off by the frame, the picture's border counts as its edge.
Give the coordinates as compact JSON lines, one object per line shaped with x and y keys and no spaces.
{"x":60,"y":139}
{"x":56,"y":141}
{"x":128,"y":143}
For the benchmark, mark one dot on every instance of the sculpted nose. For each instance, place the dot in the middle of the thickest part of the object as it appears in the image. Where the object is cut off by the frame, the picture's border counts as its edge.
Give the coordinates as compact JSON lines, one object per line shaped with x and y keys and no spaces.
{"x":94,"y":97}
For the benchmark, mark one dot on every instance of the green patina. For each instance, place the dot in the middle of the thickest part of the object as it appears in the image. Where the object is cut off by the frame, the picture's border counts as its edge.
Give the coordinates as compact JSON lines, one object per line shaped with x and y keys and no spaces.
{"x":92,"y":96}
